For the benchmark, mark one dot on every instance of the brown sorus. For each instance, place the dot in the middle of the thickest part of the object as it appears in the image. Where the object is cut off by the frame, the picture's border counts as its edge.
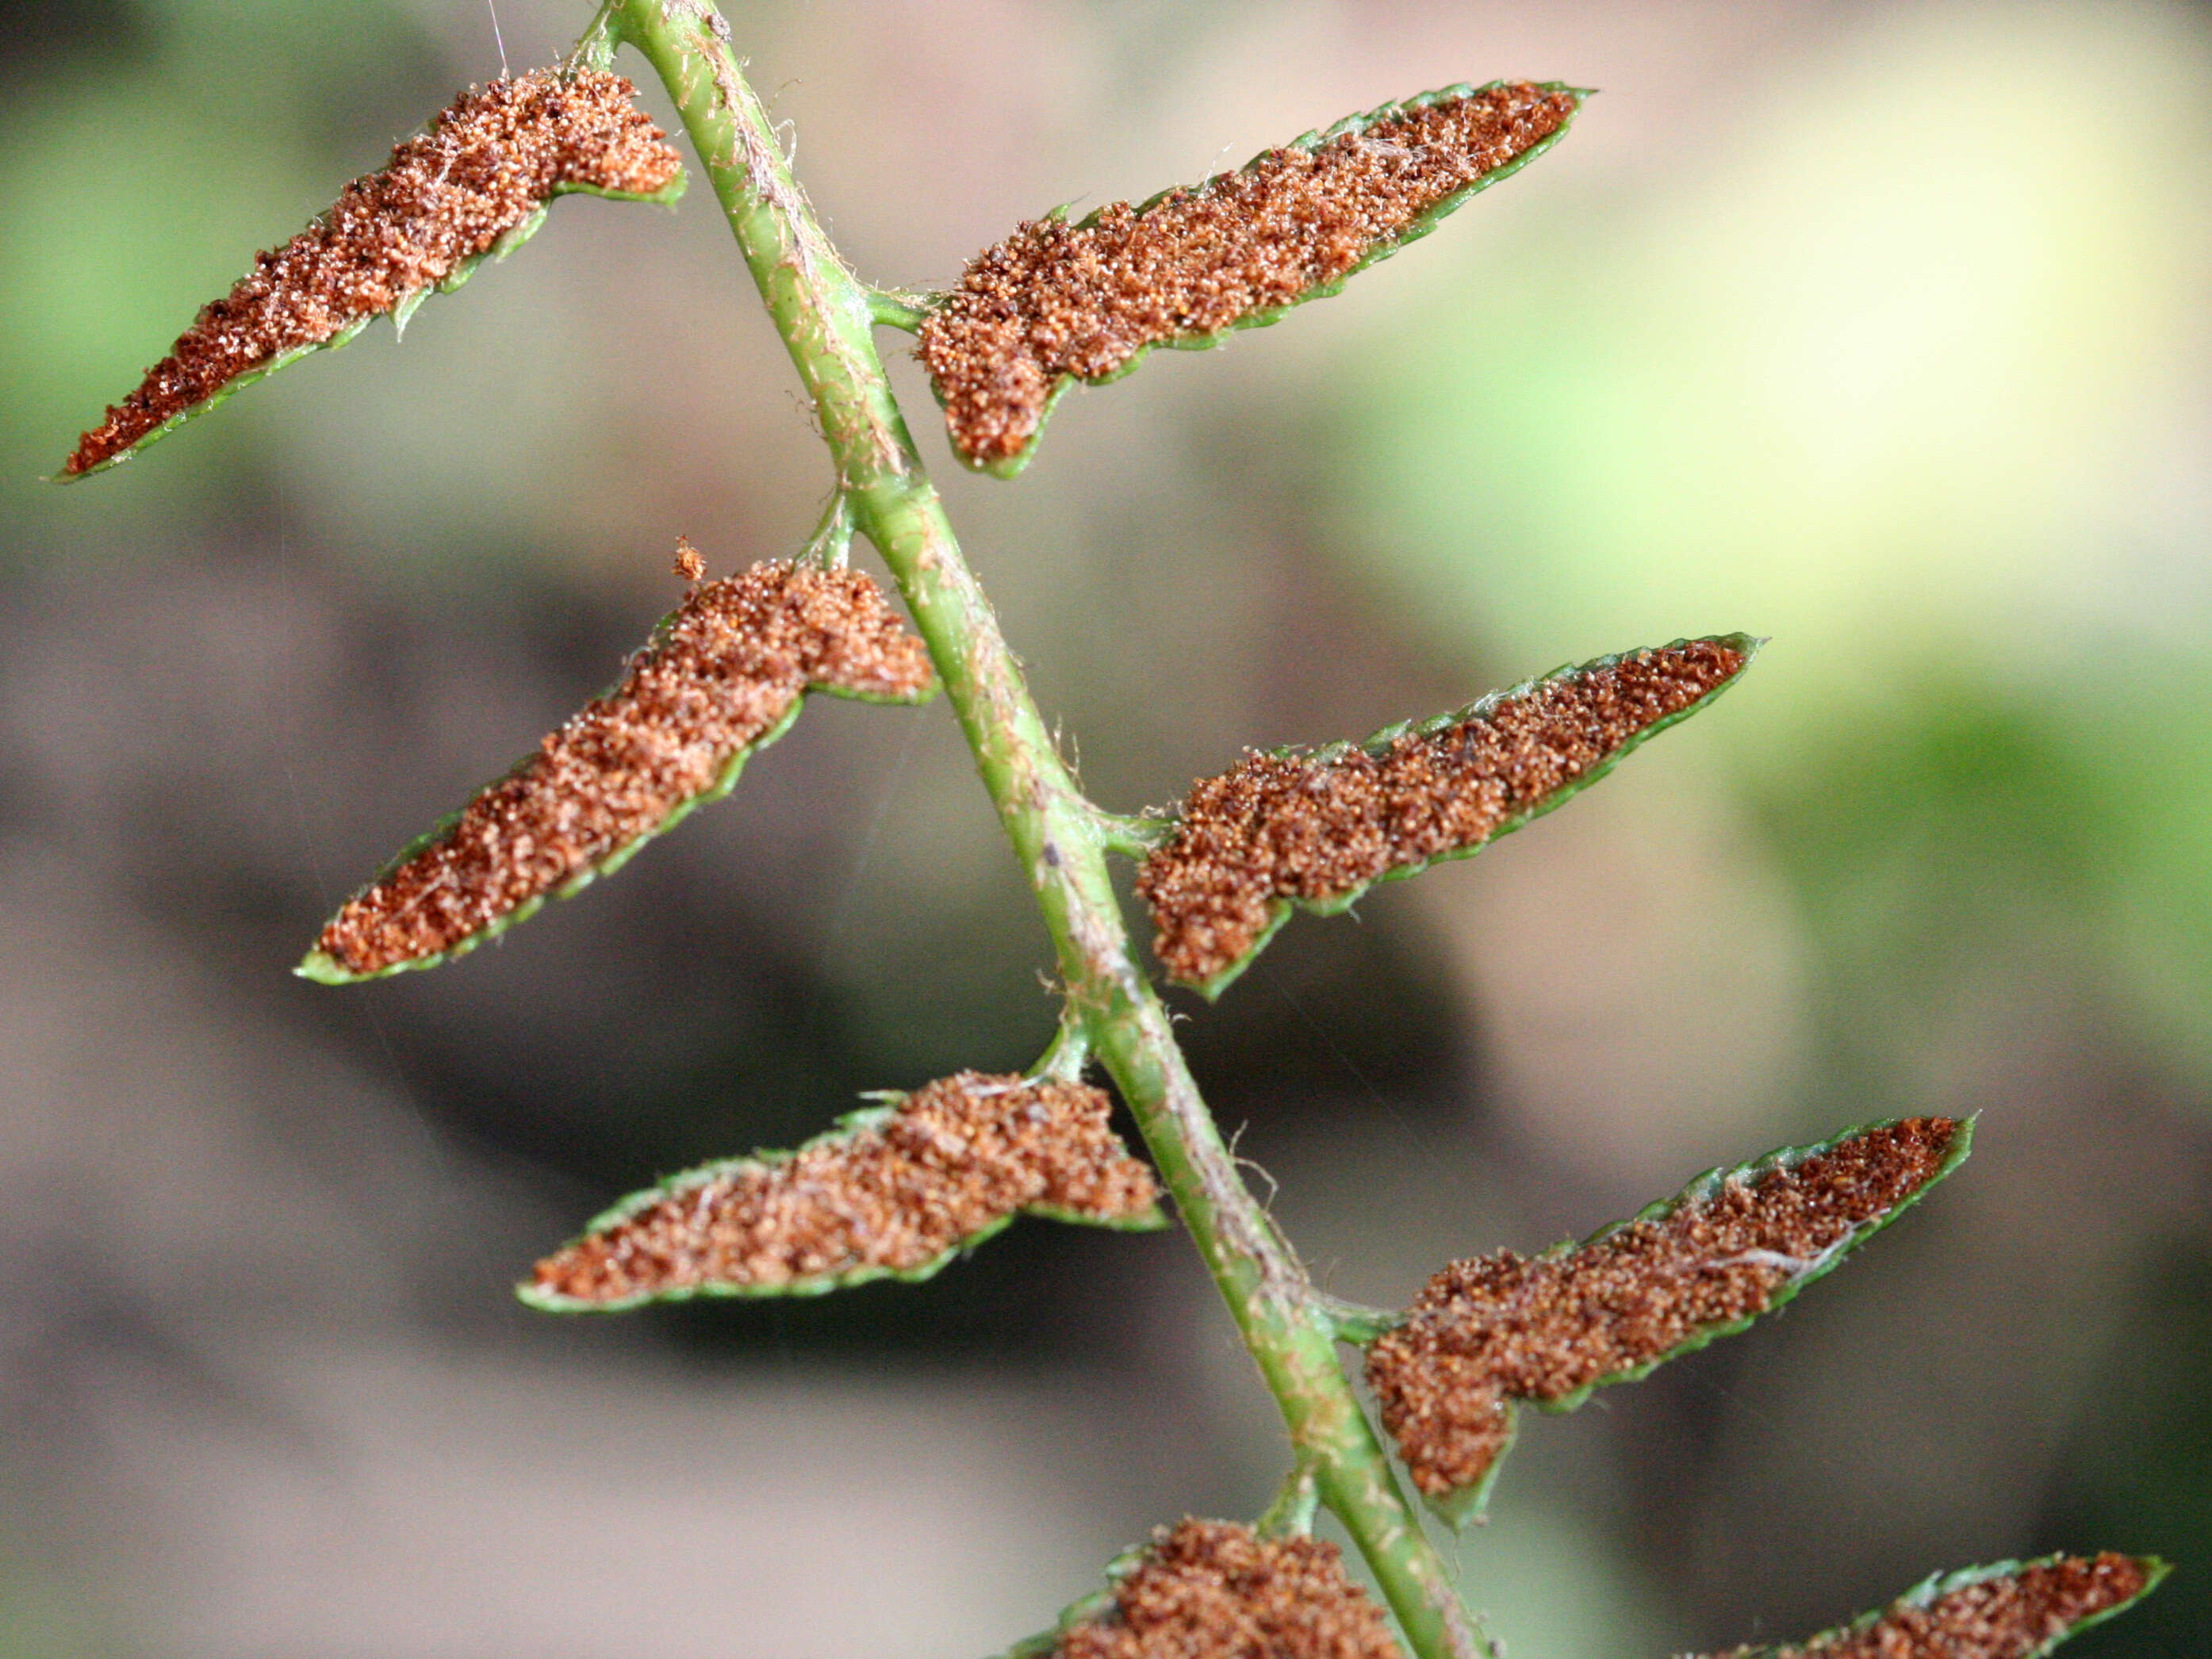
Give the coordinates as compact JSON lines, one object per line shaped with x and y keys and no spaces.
{"x":957,"y":1155}
{"x":1308,"y":826}
{"x":2014,"y":1616}
{"x":1056,"y":301}
{"x":447,"y":194}
{"x":1500,"y":1328}
{"x":1211,"y":1589}
{"x":724,"y":668}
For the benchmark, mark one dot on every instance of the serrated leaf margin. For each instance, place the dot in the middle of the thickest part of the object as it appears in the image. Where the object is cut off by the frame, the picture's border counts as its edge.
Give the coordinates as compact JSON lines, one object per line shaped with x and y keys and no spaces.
{"x":1465,"y":1505}
{"x":408,"y":304}
{"x":323,"y":969}
{"x":1011,"y":466}
{"x":1281,"y":909}
{"x":852,"y":1124}
{"x":1939,"y":1584}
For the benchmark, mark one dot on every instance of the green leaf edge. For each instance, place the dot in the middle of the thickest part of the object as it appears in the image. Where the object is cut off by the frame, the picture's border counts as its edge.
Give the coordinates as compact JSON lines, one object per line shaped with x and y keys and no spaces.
{"x":1943,"y":1584}
{"x":1467,"y":1503}
{"x":323,"y":969}
{"x":405,"y":308}
{"x":1012,"y":465}
{"x":1282,"y":909}
{"x":1084,"y":1610}
{"x":1150,"y":1220}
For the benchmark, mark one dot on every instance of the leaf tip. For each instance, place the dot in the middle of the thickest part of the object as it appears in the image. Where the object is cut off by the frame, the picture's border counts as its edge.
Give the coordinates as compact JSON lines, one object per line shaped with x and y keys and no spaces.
{"x":323,"y":967}
{"x":535,"y":1296}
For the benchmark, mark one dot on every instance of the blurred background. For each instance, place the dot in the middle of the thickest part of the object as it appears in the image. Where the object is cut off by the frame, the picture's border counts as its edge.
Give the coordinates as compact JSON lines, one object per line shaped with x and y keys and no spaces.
{"x":1879,"y":329}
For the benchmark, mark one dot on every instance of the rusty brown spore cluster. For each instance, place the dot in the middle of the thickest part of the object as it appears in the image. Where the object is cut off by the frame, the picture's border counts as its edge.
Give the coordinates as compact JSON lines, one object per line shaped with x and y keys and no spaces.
{"x":1314,"y":827}
{"x":483,"y":167}
{"x":1500,"y":1328}
{"x":955,"y":1157}
{"x":724,"y":670}
{"x":2013,"y":1616}
{"x":1211,"y":1589}
{"x":1055,"y":301}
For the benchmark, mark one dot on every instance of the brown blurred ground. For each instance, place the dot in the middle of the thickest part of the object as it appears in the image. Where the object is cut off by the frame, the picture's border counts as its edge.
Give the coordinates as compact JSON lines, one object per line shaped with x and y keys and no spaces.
{"x":1879,"y":329}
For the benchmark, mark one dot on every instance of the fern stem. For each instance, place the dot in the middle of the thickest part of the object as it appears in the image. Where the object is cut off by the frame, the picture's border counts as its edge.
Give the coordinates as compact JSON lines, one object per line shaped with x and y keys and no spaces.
{"x":895,"y":308}
{"x":1291,"y":1514}
{"x":832,"y":540}
{"x":826,"y":316}
{"x":1356,"y":1323}
{"x":595,"y":48}
{"x":1132,"y":837}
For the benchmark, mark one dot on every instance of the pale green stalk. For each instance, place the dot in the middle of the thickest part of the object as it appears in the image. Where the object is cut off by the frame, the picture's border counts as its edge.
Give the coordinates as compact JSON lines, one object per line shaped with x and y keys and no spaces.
{"x":826,"y":317}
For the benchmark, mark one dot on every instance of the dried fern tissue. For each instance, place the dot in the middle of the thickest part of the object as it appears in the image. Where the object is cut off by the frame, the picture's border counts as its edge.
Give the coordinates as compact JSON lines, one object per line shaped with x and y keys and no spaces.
{"x":1318,"y":827}
{"x":1488,"y":1332}
{"x":1212,"y":1590}
{"x":2012,"y":1611}
{"x":485,"y":165}
{"x":1056,"y":302}
{"x":723,"y":675}
{"x":895,"y":1193}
